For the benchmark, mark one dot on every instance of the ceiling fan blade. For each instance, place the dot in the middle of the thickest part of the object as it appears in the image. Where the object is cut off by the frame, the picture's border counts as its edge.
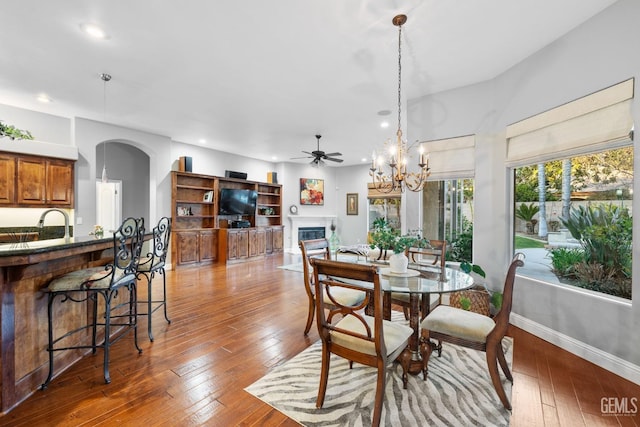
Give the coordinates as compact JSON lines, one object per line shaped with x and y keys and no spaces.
{"x":304,"y":157}
{"x":306,"y":152}
{"x":334,"y":159}
{"x":333,"y":154}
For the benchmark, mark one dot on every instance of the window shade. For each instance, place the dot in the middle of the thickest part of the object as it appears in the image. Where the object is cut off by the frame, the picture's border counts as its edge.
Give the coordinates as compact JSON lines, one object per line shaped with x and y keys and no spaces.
{"x":452,"y":157}
{"x":589,"y":124}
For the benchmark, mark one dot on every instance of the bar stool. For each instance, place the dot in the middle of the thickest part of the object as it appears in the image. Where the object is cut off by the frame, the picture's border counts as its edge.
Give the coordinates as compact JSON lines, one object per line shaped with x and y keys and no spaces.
{"x":84,"y":286}
{"x":152,"y":262}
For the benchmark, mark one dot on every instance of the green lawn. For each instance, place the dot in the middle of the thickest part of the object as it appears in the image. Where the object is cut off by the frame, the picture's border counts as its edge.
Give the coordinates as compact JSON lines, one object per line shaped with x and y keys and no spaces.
{"x":525,"y":242}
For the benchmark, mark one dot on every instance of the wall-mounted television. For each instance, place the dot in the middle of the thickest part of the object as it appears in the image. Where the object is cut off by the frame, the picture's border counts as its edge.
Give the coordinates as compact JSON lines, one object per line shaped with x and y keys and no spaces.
{"x":235,"y":201}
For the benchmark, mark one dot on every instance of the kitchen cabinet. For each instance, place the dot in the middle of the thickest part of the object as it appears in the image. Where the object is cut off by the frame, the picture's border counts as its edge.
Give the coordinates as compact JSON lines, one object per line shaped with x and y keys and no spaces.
{"x":34,"y":181}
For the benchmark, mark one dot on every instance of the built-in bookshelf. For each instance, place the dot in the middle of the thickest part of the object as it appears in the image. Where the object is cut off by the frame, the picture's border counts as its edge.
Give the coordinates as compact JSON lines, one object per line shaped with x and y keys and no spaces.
{"x":200,"y":232}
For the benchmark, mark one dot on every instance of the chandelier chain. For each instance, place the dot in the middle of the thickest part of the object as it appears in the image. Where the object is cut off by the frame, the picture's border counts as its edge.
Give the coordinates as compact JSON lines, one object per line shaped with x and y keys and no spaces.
{"x":399,"y":77}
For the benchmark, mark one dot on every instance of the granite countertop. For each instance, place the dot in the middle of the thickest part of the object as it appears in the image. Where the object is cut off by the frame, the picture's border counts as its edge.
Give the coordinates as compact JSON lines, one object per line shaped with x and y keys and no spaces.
{"x":48,"y":245}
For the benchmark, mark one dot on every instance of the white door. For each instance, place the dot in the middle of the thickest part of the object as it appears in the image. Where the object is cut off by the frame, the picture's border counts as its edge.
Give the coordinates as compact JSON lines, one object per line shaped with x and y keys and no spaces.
{"x":109,"y":204}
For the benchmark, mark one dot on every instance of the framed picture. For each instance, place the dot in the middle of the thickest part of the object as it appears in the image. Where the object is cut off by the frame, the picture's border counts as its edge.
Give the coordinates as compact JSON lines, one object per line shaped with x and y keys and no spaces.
{"x":208,"y":196}
{"x":311,"y":191}
{"x":352,"y":203}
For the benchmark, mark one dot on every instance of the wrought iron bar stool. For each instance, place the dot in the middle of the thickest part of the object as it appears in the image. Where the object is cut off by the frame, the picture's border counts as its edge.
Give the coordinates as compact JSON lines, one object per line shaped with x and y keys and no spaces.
{"x":84,"y":286}
{"x":151,"y":262}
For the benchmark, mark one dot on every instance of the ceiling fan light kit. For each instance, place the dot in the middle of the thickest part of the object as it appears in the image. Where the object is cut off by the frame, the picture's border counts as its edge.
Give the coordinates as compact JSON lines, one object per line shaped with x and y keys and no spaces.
{"x":398,"y":178}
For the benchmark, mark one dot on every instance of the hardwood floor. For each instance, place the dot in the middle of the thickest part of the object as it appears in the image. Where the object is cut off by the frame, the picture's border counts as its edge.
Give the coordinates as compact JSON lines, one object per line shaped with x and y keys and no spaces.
{"x":231,"y":326}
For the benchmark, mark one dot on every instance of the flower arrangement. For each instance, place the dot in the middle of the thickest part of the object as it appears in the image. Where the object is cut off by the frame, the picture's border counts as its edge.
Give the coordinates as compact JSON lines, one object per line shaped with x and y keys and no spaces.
{"x":386,"y":238}
{"x":98,"y":231}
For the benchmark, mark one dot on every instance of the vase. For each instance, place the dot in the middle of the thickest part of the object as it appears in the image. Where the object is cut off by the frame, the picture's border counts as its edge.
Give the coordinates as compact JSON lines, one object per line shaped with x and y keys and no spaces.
{"x":398,"y":263}
{"x":334,"y":244}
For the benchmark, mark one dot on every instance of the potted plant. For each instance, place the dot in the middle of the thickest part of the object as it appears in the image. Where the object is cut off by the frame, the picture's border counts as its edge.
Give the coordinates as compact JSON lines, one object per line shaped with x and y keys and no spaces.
{"x":385,"y":239}
{"x":12,"y":132}
{"x":478,"y":298}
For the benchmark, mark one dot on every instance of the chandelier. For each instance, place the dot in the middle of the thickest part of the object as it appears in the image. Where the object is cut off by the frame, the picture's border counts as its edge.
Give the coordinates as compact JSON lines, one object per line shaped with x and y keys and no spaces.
{"x":397,"y":178}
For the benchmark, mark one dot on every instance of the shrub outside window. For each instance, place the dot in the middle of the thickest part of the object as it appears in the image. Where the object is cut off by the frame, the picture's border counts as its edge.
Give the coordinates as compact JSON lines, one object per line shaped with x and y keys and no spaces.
{"x":573,"y":216}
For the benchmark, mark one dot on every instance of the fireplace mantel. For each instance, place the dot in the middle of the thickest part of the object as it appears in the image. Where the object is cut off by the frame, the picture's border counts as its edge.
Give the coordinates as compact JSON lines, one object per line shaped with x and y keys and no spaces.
{"x":298,"y":221}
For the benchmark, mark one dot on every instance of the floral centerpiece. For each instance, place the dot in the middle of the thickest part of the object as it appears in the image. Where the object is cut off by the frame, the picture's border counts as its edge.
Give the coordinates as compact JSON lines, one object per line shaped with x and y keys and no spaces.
{"x":386,"y":239}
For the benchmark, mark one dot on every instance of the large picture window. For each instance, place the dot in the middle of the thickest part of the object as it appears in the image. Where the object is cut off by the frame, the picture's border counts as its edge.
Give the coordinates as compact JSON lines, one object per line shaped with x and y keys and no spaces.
{"x":573,"y":220}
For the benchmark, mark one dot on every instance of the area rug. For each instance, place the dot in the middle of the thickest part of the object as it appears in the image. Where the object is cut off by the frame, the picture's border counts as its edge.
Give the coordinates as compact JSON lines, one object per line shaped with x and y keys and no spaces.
{"x":457,"y":392}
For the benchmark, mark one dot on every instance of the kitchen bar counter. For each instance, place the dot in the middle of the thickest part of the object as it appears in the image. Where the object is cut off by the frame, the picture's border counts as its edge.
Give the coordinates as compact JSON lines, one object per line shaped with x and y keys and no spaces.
{"x":25,"y":269}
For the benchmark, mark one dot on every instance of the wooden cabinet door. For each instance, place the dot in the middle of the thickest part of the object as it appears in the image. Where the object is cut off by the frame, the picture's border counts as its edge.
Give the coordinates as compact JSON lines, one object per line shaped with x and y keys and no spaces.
{"x":278,"y":239}
{"x":232,"y":245}
{"x":208,"y":245}
{"x":261,"y":241}
{"x":187,"y":247}
{"x":268,"y":240}
{"x":59,"y":183}
{"x":31,"y":181}
{"x":253,"y":243}
{"x":243,"y":243}
{"x":7,"y":179}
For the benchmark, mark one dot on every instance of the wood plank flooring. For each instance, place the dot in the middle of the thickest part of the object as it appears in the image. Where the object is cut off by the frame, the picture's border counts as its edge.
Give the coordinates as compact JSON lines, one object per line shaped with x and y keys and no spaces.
{"x":230,"y":326}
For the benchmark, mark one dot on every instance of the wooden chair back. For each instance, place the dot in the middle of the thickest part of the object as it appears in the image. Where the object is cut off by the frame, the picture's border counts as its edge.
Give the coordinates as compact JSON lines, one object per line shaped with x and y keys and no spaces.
{"x":436,"y":250}
{"x":357,"y":337}
{"x":328,"y":275}
{"x":316,"y":248}
{"x":502,"y":317}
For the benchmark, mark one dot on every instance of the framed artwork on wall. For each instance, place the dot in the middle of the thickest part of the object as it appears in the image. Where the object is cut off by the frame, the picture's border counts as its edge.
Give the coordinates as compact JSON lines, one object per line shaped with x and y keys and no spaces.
{"x":311,"y":191}
{"x":352,"y":203}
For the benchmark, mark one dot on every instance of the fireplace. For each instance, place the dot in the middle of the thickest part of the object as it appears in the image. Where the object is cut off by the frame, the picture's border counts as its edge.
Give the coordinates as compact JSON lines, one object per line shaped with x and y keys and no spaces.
{"x":309,"y":233}
{"x":308,"y":221}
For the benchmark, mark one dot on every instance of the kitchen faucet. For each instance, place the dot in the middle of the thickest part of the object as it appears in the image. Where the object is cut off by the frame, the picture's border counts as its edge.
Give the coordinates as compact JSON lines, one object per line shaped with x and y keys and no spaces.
{"x":66,"y":220}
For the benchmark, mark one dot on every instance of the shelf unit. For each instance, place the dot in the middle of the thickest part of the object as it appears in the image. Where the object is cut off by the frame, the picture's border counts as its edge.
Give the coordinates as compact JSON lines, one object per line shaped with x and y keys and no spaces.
{"x":269,"y":205}
{"x":201,"y":234}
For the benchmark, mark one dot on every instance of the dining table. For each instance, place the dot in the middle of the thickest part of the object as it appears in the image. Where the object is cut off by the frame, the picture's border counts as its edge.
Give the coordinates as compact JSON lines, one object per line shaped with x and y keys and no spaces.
{"x":420,"y":281}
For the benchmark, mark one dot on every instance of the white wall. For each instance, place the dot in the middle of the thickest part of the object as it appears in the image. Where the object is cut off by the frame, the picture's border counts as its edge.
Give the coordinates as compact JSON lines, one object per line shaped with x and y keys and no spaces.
{"x":595,"y":55}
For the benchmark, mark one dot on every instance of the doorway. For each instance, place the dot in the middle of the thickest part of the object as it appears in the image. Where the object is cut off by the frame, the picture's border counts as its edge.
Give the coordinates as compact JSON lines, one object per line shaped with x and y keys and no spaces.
{"x":109,"y":204}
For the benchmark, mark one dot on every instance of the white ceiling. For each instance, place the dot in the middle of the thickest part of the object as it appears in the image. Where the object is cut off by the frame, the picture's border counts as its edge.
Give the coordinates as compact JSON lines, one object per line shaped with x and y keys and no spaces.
{"x":261,"y":78}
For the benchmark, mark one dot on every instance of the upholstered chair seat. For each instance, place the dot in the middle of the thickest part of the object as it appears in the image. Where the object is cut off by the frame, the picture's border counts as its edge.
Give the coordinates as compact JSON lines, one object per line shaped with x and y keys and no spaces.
{"x":459,"y":323}
{"x":396,"y":335}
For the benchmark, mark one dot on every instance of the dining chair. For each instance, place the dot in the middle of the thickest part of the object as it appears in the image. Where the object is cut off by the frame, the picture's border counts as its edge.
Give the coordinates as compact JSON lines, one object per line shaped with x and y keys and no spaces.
{"x":357,"y":337}
{"x":152,"y":261}
{"x":423,"y":259}
{"x":320,"y":248}
{"x":475,"y":331}
{"x":85,"y":285}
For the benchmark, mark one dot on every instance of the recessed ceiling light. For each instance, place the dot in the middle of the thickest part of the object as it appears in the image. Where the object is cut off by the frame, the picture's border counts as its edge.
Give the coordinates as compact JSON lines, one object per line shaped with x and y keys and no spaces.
{"x":274,"y":157}
{"x":202,"y":141}
{"x":364,"y":160}
{"x":44,"y":98}
{"x":94,"y":31}
{"x":384,"y":125}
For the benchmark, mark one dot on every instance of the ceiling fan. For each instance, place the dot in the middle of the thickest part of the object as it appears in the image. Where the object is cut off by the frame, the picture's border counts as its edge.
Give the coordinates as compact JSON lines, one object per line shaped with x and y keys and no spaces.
{"x":319,"y":156}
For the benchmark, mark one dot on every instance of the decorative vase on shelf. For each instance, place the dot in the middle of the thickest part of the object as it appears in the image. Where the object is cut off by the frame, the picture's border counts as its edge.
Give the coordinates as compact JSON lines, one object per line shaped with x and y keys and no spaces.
{"x":398,"y":263}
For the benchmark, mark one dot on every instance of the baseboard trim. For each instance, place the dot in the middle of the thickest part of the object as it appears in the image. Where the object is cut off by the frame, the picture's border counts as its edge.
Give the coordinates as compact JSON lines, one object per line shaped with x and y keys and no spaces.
{"x":594,"y":355}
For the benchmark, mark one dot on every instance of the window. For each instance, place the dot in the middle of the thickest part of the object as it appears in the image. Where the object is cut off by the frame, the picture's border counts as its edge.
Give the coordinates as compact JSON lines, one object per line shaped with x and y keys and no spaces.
{"x":573,"y":172}
{"x":448,"y":215}
{"x":573,"y":220}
